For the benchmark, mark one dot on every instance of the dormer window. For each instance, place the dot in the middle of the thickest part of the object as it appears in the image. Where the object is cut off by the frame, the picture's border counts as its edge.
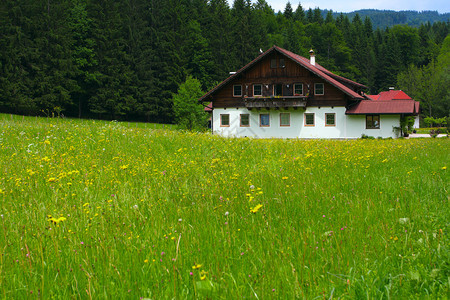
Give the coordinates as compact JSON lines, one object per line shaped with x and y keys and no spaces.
{"x":319,"y":89}
{"x":257,"y":90}
{"x":237,"y":90}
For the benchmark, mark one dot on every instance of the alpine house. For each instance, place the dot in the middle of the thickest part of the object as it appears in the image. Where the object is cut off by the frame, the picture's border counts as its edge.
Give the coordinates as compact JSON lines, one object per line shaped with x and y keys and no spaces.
{"x":283,"y":95}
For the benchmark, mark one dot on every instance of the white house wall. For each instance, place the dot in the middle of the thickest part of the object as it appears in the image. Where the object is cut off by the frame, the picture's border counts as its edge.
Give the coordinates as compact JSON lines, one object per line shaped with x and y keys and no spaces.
{"x":347,"y":126}
{"x":356,"y":126}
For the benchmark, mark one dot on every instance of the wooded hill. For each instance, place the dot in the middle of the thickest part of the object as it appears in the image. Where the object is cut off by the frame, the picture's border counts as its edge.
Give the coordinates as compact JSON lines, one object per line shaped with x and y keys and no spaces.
{"x":125,"y":59}
{"x":389,"y":18}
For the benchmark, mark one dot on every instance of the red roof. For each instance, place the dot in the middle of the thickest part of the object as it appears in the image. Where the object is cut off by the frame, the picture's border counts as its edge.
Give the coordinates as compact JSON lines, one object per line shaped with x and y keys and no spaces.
{"x":390,"y":102}
{"x":208,"y":108}
{"x":324,"y":73}
{"x":393,"y":95}
{"x":317,"y":69}
{"x":383,"y":107}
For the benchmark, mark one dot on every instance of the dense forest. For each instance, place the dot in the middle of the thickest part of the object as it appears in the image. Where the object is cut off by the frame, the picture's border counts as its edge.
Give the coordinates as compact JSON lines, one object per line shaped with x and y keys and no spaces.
{"x":125,"y":59}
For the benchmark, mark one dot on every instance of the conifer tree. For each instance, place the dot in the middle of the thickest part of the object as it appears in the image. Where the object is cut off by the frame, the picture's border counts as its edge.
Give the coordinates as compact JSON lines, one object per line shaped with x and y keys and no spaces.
{"x":299,"y":14}
{"x":288,"y":12}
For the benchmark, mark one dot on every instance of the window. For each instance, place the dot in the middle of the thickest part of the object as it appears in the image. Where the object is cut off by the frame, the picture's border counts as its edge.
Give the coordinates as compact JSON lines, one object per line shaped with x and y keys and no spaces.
{"x":237,"y":90}
{"x":278,"y":89}
{"x":224,"y":120}
{"x":257,"y":90}
{"x":285,"y":119}
{"x":245,"y":120}
{"x":298,"y":89}
{"x":309,"y":119}
{"x":330,"y":119}
{"x":282,"y":63}
{"x":273,"y":63}
{"x":373,"y":122}
{"x":318,"y":89}
{"x":264,"y":120}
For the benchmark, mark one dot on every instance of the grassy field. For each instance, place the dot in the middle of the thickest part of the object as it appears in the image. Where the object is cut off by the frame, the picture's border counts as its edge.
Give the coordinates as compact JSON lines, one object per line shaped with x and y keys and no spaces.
{"x":93,"y":209}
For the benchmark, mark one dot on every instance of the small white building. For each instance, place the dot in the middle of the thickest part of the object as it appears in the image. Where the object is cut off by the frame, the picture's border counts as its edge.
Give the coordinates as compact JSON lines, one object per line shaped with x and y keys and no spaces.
{"x":284,"y":95}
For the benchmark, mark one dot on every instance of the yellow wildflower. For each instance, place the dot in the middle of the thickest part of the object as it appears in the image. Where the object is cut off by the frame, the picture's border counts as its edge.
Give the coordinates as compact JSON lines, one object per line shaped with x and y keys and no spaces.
{"x":256,"y":208}
{"x":203,"y":275}
{"x":196,"y":266}
{"x":56,"y":220}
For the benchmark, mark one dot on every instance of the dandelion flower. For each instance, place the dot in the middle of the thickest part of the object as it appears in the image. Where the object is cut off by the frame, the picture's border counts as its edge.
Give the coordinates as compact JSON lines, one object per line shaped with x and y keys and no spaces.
{"x":56,"y":220}
{"x":256,"y":208}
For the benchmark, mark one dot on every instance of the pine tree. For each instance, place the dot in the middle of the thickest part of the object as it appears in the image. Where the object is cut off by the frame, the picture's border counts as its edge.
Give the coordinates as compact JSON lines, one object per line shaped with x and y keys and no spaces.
{"x":299,"y":14}
{"x":15,"y":50}
{"x":219,"y":35}
{"x":317,"y":16}
{"x":310,"y":16}
{"x":288,"y":12}
{"x":198,"y":58}
{"x":83,"y":56}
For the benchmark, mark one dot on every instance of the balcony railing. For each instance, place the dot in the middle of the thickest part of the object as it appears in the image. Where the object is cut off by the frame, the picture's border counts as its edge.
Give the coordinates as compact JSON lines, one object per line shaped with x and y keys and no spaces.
{"x":275,"y":102}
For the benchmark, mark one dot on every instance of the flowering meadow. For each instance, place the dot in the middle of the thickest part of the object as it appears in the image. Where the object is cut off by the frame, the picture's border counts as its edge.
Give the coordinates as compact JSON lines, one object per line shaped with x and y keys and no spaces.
{"x":93,"y":209}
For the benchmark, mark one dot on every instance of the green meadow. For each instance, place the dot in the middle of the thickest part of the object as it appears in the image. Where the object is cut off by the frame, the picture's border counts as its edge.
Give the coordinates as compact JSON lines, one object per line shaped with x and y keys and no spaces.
{"x":93,"y":209}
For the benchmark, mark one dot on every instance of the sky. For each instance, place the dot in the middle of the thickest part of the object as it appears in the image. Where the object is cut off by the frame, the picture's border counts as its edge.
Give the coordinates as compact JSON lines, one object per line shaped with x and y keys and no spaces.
{"x":442,"y":6}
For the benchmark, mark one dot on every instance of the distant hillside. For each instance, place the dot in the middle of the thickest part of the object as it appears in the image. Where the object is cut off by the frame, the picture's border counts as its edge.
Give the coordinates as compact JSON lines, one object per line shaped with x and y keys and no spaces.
{"x":388,"y":18}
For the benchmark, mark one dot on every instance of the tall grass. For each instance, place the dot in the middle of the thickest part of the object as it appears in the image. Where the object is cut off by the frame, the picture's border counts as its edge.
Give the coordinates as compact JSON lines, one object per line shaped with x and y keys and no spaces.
{"x":95,"y":209}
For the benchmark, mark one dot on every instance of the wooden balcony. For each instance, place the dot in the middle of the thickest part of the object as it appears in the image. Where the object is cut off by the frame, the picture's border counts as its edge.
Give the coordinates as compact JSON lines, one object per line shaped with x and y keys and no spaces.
{"x":275,"y":102}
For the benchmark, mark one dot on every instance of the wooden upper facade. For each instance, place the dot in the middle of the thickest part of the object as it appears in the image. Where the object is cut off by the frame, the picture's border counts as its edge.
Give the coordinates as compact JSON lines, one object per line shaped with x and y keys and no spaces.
{"x":281,"y":79}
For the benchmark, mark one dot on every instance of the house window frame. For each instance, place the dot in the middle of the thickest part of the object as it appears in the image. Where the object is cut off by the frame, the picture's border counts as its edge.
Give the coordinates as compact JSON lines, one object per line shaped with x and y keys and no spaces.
{"x":326,"y":119}
{"x":234,"y":90}
{"x":315,"y":88}
{"x":282,"y":63}
{"x":370,"y":124}
{"x":289,"y":119}
{"x":305,"y":123}
{"x":260,"y":120}
{"x":295,"y":85}
{"x":240,"y":120}
{"x":260,"y":85}
{"x":222,"y":120}
{"x":273,"y":63}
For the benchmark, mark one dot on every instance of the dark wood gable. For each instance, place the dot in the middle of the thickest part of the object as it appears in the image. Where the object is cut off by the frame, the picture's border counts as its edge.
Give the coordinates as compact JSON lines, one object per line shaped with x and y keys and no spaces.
{"x":276,"y":74}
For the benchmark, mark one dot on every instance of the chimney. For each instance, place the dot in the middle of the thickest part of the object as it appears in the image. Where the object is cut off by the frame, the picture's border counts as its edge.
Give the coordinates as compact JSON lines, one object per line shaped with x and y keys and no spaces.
{"x":312,"y":57}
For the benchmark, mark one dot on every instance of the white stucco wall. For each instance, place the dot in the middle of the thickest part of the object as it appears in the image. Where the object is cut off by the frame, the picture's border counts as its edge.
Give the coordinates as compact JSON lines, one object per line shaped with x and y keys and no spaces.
{"x":347,"y":126}
{"x":356,"y":126}
{"x":416,"y":122}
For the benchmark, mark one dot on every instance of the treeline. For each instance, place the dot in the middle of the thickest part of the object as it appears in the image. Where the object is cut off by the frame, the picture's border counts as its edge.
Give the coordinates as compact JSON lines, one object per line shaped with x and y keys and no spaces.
{"x":389,"y":18}
{"x":125,"y":59}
